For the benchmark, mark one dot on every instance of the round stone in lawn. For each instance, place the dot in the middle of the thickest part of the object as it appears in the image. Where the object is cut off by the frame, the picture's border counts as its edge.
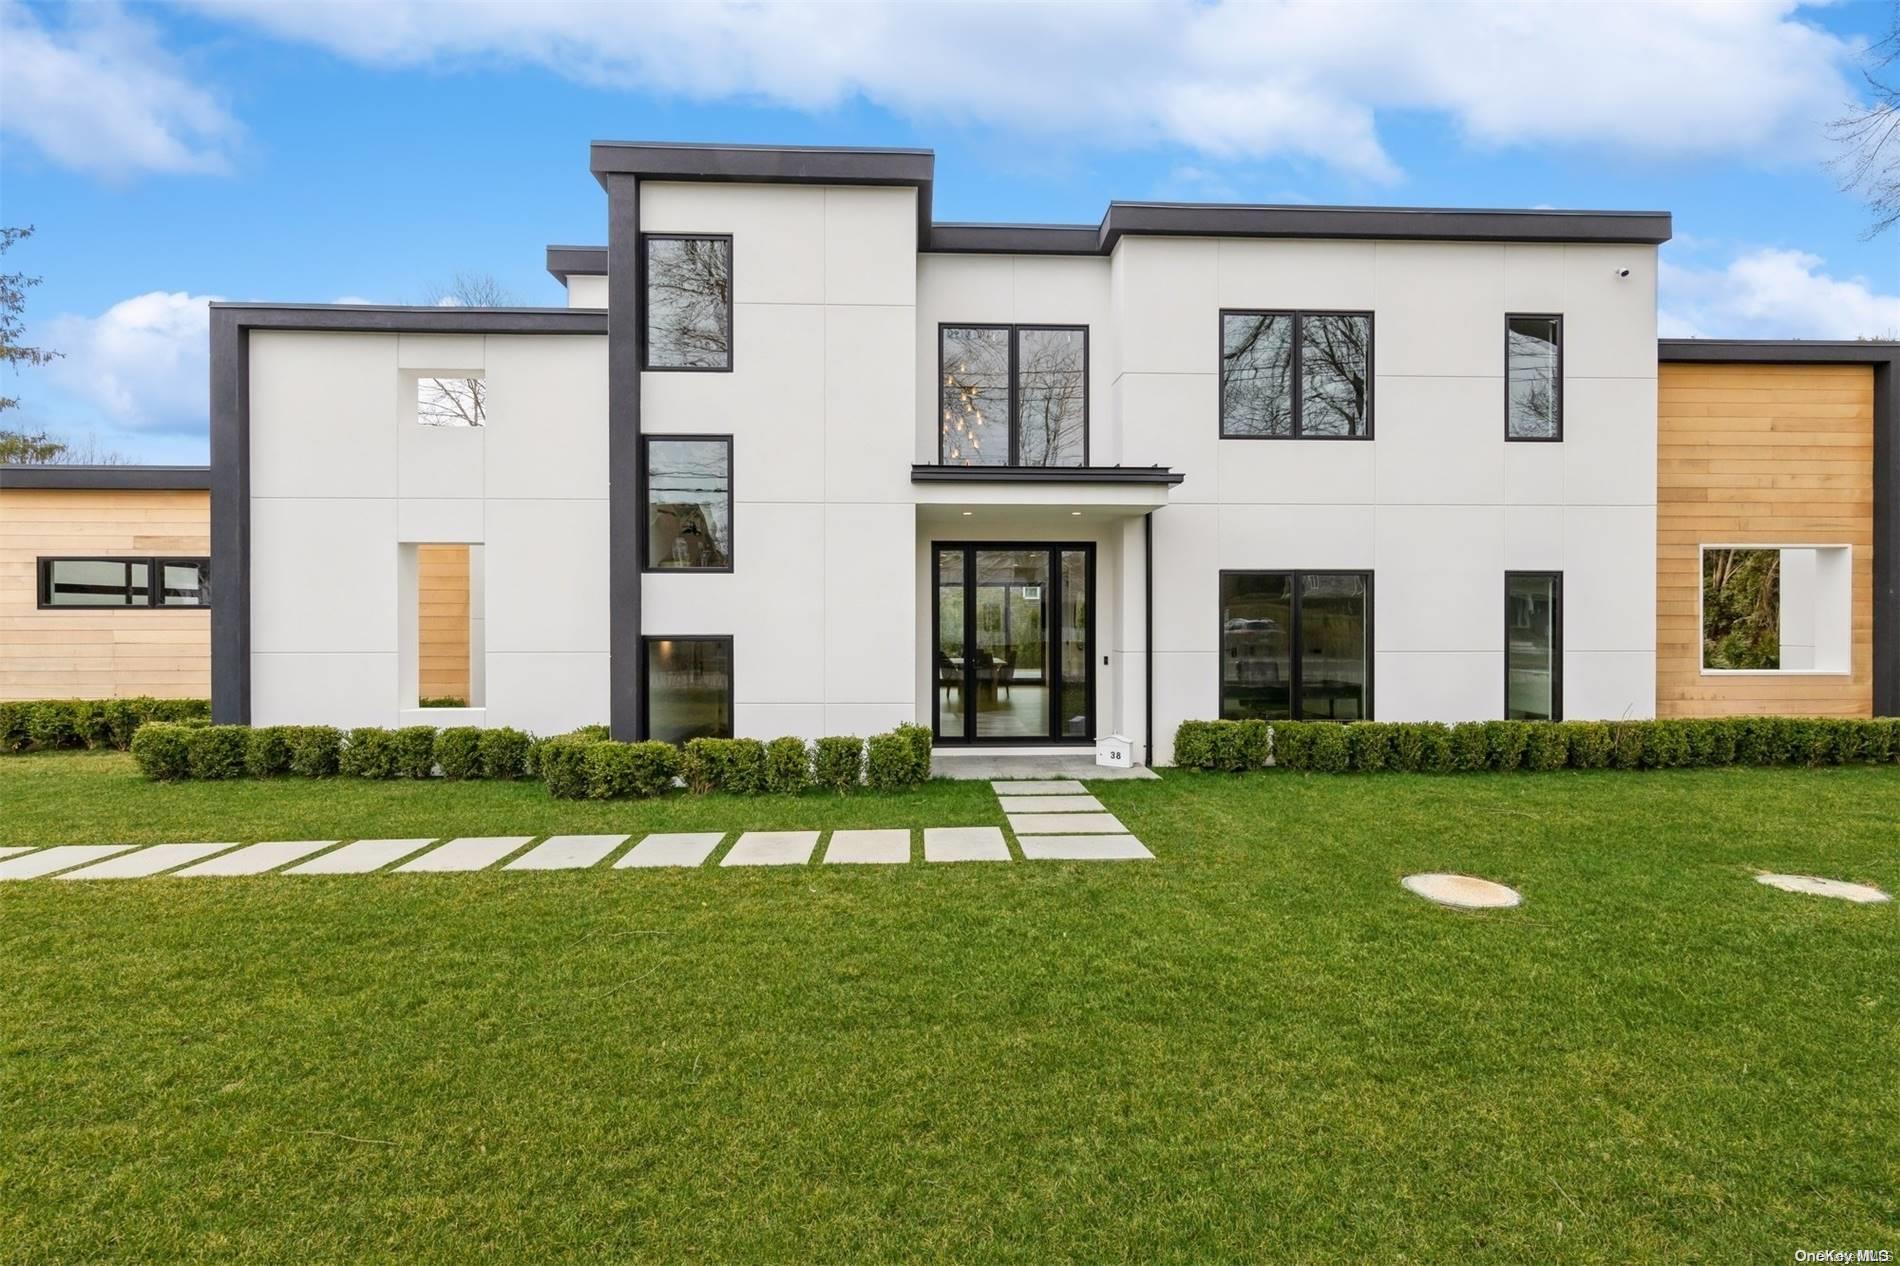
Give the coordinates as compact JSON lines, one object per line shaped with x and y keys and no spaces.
{"x":1464,"y":891}
{"x":1863,"y":893}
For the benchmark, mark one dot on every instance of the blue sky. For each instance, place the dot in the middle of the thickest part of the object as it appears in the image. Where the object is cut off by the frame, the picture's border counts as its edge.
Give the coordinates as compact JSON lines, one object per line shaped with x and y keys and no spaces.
{"x":363,"y":152}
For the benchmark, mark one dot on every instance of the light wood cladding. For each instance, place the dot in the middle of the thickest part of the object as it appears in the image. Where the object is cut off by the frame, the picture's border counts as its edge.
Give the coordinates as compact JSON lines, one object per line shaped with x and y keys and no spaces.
{"x":442,"y":591}
{"x":99,"y":652}
{"x":1760,"y":455}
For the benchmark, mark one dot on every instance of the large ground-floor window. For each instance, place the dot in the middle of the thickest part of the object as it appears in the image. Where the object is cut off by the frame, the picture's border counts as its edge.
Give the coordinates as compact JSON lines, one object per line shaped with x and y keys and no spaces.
{"x":1533,"y":646}
{"x":1296,"y":645}
{"x":688,"y":688}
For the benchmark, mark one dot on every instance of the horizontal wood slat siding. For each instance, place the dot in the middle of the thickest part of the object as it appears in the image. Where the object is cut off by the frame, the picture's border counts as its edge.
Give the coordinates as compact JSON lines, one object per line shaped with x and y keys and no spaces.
{"x":99,"y":653}
{"x":442,"y":629}
{"x":1769,"y":455}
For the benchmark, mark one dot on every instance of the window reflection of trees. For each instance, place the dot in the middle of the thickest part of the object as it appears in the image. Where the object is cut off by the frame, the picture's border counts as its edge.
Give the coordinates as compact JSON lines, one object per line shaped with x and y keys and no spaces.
{"x":689,"y":303}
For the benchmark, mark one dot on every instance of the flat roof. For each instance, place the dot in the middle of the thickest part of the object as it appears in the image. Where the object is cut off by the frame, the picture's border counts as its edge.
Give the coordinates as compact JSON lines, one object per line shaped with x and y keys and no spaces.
{"x":114,"y":478}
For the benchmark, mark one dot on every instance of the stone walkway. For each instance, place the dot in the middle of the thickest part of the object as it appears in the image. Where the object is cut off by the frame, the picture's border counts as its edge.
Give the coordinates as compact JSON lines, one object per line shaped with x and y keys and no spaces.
{"x":1052,"y":820}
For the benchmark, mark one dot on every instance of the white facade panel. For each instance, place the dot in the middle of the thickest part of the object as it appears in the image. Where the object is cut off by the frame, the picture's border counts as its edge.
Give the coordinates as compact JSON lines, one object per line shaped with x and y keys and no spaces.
{"x":323,"y":410}
{"x":340,"y":688}
{"x":544,"y":576}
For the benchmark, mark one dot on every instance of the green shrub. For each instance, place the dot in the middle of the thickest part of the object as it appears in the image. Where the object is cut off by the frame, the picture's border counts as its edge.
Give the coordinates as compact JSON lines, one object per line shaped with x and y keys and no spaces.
{"x":838,"y":762}
{"x":504,"y":753}
{"x":1629,"y":742}
{"x":1504,"y":743}
{"x":458,"y":750}
{"x":163,"y":751}
{"x":1547,"y":746}
{"x":889,"y":764}
{"x":921,"y":742}
{"x":267,"y":753}
{"x":630,"y":769}
{"x":563,"y":763}
{"x":14,"y":736}
{"x":90,"y":724}
{"x":1882,"y":740}
{"x":1194,"y":744}
{"x":1405,"y":748}
{"x":442,"y":701}
{"x":1764,"y":741}
{"x":1330,"y":748}
{"x":787,"y":766}
{"x":1666,"y":745}
{"x":1470,"y":746}
{"x":1292,"y":744}
{"x":734,"y":766}
{"x":414,"y":751}
{"x":314,"y":750}
{"x":217,"y":751}
{"x":370,"y":752}
{"x":1592,"y":743}
{"x":50,"y":724}
{"x":1435,"y":739}
{"x":1370,"y":744}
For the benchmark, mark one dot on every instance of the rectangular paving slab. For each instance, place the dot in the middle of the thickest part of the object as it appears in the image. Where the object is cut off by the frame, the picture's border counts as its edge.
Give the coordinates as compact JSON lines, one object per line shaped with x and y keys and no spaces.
{"x":470,"y":852}
{"x":1066,"y":824}
{"x":146,"y":861}
{"x":672,"y":848}
{"x":1083,"y":848}
{"x":868,"y":846}
{"x":772,"y":848}
{"x":359,"y":858}
{"x":567,"y":852}
{"x":255,"y":859}
{"x":12,"y":849}
{"x":48,"y":860}
{"x":965,"y":844}
{"x":1050,"y":804}
{"x":1039,"y":787}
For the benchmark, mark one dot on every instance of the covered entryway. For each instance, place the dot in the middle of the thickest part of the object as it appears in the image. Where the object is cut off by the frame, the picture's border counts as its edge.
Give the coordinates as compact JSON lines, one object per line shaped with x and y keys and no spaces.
{"x":1013,"y":632}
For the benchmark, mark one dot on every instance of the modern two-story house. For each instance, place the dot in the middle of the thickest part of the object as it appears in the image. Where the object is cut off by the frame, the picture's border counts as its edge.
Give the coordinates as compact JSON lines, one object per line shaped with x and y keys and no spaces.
{"x":799,"y":459}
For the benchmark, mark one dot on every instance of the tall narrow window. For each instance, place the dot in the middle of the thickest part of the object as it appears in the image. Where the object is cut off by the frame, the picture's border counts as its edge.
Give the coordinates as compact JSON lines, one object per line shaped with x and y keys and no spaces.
{"x":1296,"y":375}
{"x":688,"y":692}
{"x":689,"y":302}
{"x":689,"y":503}
{"x":1534,"y":378}
{"x":1013,"y":395}
{"x":1296,"y":645}
{"x":1533,"y":646}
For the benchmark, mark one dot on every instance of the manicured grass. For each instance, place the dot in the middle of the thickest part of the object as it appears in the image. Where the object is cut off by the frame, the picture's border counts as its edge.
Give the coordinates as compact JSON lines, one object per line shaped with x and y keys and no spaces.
{"x":1256,"y":1048}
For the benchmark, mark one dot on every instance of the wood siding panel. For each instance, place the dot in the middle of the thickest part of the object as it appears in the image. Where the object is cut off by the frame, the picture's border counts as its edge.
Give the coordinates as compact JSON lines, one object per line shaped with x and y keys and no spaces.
{"x":1768,"y":455}
{"x":442,"y":627}
{"x":104,"y":652}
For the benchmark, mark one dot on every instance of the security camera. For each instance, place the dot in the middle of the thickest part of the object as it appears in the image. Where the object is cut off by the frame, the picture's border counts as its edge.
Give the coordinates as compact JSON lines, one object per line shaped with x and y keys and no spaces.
{"x":1621,"y":273}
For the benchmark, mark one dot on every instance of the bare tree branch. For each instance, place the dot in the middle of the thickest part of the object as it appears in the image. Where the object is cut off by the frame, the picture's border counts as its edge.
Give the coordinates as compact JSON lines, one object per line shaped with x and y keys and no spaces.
{"x":1867,"y":138}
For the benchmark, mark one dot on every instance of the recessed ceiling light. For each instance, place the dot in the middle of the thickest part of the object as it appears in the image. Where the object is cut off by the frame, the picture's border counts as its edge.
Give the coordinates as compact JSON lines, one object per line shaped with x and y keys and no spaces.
{"x":1076,"y":513}
{"x":968,"y":513}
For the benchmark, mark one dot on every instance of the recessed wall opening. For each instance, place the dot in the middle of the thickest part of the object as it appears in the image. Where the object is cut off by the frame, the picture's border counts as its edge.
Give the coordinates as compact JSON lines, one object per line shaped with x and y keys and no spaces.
{"x":451,"y":400}
{"x":443,"y":643}
{"x":1777,"y":609}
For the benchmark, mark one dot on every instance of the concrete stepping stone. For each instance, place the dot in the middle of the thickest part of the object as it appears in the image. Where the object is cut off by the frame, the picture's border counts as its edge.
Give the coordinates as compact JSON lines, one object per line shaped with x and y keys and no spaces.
{"x":470,"y":852}
{"x":48,"y":860}
{"x":255,"y":859}
{"x":1039,"y":787}
{"x":146,"y":861}
{"x":18,"y":848}
{"x":1066,"y":824}
{"x":359,"y":858}
{"x":1466,"y":892}
{"x":672,"y":848}
{"x":772,"y":848}
{"x":1051,"y":804}
{"x":1814,"y":885}
{"x":965,"y":844}
{"x":871,"y":847}
{"x":1083,"y":848}
{"x":567,"y":852}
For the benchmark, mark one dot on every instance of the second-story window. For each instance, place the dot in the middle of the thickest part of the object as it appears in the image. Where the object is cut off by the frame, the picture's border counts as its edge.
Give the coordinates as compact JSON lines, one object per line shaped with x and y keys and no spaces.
{"x":1296,"y":375}
{"x":1013,"y":395}
{"x":689,"y":302}
{"x":1533,"y":378}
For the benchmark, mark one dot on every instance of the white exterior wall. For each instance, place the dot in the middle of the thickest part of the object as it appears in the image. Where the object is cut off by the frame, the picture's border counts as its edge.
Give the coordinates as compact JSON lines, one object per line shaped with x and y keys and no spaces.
{"x":342,"y":477}
{"x":1437,"y":505}
{"x":824,"y":374}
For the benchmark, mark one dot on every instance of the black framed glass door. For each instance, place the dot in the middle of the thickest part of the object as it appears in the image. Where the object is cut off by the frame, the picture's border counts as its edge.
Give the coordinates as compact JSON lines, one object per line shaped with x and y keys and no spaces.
{"x":1013,"y":631}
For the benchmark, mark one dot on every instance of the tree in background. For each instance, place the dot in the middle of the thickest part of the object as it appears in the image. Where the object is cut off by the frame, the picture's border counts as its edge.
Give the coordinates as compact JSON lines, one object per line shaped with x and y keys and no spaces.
{"x":468,"y":290}
{"x":13,"y":288}
{"x":1869,"y":137}
{"x":1741,"y":608}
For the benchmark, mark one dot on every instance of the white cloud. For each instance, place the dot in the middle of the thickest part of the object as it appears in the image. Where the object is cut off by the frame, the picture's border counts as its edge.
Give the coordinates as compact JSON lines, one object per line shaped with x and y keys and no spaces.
{"x":143,"y":364}
{"x":99,"y":94}
{"x":1771,"y":293}
{"x":1302,"y":78}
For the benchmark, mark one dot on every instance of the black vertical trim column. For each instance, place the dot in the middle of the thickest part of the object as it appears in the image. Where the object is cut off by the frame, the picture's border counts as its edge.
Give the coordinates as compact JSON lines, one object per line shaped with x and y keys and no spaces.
{"x":625,"y":670}
{"x":1886,"y":538}
{"x":1148,"y":635}
{"x":230,"y":520}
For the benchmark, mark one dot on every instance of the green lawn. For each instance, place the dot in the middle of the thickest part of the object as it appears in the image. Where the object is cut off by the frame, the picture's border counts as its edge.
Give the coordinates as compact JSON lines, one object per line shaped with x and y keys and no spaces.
{"x":1256,"y":1048}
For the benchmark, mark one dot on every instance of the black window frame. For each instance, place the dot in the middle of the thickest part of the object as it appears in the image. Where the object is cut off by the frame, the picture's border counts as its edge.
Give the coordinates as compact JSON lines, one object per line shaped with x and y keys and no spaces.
{"x":154,"y":581}
{"x":1558,"y":317}
{"x":1298,"y":316}
{"x":1015,"y":388}
{"x":732,"y":506}
{"x":732,"y":273}
{"x":646,"y":675}
{"x":1556,"y":637}
{"x":1294,"y":576}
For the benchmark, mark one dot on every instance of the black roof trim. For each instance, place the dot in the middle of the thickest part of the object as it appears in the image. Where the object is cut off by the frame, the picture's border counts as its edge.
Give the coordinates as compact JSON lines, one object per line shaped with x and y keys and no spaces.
{"x":381,"y":318}
{"x":930,"y":474}
{"x":114,"y":478}
{"x":576,"y":261}
{"x":1015,"y":239}
{"x":1797,"y":351}
{"x":1434,"y":224}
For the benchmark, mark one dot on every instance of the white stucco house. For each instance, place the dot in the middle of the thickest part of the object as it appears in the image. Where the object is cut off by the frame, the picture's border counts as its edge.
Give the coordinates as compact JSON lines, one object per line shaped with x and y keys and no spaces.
{"x":799,"y":459}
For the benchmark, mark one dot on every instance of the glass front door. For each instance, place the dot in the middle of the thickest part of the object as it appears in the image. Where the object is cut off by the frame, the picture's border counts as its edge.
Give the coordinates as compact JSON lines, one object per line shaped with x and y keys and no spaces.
{"x":1015,"y":643}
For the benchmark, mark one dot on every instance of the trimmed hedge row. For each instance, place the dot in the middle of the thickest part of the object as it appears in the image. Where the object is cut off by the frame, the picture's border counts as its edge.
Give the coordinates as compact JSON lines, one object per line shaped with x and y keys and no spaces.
{"x":1433,"y":748}
{"x":56,"y":723}
{"x":584,"y":763}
